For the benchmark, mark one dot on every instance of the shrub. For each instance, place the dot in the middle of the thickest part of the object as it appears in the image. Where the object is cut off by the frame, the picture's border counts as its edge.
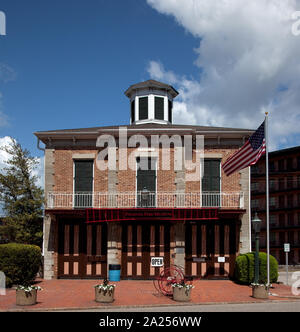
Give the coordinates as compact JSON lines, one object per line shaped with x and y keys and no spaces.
{"x":241,"y":270}
{"x":20,"y":263}
{"x":245,"y":268}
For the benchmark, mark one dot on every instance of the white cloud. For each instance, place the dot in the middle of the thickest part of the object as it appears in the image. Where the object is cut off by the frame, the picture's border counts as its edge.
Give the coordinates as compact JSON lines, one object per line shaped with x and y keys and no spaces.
{"x":39,"y":172}
{"x":4,"y":156}
{"x":248,"y":62}
{"x":159,"y":73}
{"x":7,"y":73}
{"x":3,"y":117}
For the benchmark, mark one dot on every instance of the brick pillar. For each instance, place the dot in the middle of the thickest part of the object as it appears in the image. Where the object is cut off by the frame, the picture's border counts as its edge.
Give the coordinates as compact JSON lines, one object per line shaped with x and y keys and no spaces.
{"x":179,"y":231}
{"x":179,"y":236}
{"x":245,"y":230}
{"x":49,"y":247}
{"x":49,"y":221}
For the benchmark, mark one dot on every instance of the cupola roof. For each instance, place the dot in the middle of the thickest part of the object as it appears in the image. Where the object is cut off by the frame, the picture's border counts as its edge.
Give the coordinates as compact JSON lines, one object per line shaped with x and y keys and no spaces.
{"x":151,"y":84}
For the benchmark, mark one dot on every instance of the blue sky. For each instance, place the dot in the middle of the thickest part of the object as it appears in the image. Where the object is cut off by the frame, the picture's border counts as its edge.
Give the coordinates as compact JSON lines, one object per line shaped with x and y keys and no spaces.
{"x":66,"y":64}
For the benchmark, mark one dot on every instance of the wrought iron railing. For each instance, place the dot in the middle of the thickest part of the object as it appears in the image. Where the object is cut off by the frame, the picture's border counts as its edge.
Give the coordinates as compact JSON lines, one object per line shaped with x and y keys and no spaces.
{"x":59,"y":200}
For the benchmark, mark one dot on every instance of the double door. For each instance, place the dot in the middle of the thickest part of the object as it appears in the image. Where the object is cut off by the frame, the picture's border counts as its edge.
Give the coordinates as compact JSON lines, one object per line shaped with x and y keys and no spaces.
{"x":140,"y":242}
{"x":211,"y":249}
{"x":82,"y":249}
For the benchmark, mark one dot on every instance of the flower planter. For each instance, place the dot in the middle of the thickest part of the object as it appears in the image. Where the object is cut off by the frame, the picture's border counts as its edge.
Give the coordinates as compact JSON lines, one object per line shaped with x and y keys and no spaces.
{"x":104,"y":296}
{"x":260,"y":291}
{"x":104,"y":293}
{"x":182,"y":294}
{"x":26,"y":298}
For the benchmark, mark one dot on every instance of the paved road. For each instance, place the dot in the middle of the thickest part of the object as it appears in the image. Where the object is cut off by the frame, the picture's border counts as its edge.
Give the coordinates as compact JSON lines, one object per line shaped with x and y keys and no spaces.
{"x":248,"y":307}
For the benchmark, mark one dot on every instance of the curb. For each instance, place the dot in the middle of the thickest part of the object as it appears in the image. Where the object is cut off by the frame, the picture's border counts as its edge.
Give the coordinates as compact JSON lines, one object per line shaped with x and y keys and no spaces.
{"x":144,"y":306}
{"x":286,"y":296}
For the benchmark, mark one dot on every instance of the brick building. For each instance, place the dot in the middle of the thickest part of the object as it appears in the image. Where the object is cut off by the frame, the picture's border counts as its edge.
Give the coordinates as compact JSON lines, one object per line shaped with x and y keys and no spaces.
{"x":284,"y":189}
{"x":96,"y":216}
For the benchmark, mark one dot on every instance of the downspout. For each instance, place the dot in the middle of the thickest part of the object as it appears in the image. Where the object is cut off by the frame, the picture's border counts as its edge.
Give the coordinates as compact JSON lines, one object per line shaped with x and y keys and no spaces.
{"x":38,"y":145}
{"x":42,"y":149}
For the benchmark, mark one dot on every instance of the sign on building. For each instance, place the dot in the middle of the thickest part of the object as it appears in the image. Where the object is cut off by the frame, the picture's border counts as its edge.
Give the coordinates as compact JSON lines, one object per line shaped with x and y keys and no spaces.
{"x":2,"y":283}
{"x":157,"y":261}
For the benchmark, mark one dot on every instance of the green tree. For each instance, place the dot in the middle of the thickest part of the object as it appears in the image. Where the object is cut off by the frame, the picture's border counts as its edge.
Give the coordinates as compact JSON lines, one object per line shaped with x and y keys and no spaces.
{"x":21,"y":198}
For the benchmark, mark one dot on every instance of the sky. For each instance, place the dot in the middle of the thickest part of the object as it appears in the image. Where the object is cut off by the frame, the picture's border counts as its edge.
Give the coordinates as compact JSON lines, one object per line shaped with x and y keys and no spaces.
{"x":66,"y":64}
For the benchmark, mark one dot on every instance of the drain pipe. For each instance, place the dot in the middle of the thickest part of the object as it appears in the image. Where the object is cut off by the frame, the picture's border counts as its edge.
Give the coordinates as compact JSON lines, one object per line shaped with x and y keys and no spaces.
{"x":43,"y":245}
{"x":38,"y":145}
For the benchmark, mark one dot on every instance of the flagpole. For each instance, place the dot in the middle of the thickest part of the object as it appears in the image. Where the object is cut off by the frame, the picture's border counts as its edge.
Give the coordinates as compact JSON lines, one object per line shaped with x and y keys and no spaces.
{"x":267,"y":197}
{"x":250,"y":212}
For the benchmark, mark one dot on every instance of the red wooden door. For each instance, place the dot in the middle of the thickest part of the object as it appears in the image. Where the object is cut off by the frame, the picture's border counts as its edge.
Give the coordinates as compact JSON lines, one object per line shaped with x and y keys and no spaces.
{"x":82,"y":250}
{"x":140,"y":242}
{"x":210,"y":249}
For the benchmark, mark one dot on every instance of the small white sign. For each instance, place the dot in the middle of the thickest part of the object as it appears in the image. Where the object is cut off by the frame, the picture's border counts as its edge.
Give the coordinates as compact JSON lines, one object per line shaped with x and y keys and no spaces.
{"x":157,"y":261}
{"x":2,"y":283}
{"x":221,"y":259}
{"x":286,"y":247}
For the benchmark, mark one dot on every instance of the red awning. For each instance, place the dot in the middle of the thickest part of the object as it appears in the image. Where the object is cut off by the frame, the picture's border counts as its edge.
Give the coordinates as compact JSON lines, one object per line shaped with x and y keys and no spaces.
{"x":177,"y":214}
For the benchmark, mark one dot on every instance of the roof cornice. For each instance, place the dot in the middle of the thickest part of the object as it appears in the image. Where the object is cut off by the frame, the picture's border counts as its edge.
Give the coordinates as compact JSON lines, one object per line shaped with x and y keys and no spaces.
{"x":94,"y":134}
{"x":151,"y":84}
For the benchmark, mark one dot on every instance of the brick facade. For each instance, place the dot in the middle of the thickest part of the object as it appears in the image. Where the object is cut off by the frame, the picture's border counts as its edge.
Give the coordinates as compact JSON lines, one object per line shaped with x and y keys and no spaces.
{"x":63,"y":164}
{"x":224,"y":230}
{"x":63,"y":171}
{"x":61,"y":161}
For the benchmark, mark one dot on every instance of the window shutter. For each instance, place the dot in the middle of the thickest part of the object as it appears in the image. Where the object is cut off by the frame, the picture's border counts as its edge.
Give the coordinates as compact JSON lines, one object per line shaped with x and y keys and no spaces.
{"x":146,"y":178}
{"x":83,"y":181}
{"x":132,"y":111}
{"x":170,"y":107}
{"x":215,"y":175}
{"x":143,"y":108}
{"x":159,"y":108}
{"x":211,"y":178}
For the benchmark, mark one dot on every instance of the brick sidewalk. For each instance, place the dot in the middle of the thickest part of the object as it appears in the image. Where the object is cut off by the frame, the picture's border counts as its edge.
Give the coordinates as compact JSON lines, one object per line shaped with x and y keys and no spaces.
{"x":67,"y":294}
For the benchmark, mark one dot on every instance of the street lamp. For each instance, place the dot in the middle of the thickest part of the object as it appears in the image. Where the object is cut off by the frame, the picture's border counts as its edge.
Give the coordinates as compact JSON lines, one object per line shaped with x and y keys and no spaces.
{"x":145,"y":196}
{"x":256,"y":222}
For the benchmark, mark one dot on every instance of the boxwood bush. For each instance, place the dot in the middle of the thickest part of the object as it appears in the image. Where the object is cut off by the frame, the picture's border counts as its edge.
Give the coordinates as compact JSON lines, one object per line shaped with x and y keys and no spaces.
{"x":20,"y":263}
{"x":245,"y":268}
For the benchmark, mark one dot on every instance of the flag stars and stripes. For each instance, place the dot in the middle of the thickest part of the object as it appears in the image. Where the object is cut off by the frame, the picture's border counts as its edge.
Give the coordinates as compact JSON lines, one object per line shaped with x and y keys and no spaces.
{"x":248,"y":154}
{"x":257,"y":138}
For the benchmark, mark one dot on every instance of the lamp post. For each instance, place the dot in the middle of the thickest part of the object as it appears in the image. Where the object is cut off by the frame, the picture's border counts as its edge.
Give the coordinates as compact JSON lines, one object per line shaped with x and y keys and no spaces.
{"x":145,"y":197}
{"x":256,"y":222}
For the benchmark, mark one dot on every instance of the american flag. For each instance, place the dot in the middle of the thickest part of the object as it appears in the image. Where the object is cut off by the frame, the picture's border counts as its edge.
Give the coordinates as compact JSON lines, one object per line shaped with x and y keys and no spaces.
{"x":248,"y":154}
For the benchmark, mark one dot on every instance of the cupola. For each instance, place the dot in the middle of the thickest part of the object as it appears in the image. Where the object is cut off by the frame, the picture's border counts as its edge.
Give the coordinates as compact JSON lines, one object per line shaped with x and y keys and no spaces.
{"x":151,"y":102}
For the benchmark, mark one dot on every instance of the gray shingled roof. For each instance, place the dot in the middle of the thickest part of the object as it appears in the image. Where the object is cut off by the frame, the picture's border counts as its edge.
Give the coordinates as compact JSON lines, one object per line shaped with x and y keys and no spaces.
{"x":152,"y":84}
{"x":140,"y":127}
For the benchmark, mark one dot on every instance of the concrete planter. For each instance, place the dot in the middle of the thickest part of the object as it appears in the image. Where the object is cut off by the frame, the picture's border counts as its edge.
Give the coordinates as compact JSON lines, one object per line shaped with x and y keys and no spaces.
{"x":260,"y":292}
{"x":181,"y":294}
{"x":104,"y":296}
{"x":26,"y":298}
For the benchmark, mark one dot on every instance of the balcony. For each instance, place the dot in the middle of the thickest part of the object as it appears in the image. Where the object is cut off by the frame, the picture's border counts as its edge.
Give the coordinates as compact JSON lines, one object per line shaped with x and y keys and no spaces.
{"x":58,"y":200}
